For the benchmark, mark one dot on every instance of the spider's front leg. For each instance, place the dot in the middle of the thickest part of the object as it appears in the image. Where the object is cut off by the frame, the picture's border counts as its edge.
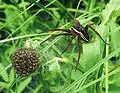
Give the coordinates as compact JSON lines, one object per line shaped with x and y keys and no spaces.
{"x":62,"y":34}
{"x":60,"y":29}
{"x":67,"y":32}
{"x":79,"y":51}
{"x":89,"y":26}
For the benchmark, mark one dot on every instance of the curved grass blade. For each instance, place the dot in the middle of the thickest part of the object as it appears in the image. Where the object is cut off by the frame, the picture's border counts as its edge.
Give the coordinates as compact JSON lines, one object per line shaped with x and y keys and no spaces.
{"x":21,"y":37}
{"x":77,"y":8}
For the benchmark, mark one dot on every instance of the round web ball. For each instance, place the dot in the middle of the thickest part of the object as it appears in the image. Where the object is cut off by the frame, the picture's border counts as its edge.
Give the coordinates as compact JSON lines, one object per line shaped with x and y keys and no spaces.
{"x":25,"y":61}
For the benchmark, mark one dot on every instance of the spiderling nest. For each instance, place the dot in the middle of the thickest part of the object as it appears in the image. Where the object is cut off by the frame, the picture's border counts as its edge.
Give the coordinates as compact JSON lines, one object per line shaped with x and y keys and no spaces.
{"x":25,"y":61}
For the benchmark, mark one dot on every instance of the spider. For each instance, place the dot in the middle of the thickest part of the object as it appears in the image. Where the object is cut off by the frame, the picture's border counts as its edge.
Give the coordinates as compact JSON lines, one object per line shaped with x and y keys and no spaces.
{"x":78,"y":31}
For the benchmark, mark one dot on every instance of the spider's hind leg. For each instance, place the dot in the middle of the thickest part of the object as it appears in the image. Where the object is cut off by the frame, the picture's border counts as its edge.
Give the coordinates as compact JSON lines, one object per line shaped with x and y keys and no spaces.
{"x":79,"y":51}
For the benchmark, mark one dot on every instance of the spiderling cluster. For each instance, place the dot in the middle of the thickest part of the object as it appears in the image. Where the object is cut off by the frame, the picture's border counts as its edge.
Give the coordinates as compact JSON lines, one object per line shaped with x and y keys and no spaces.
{"x":25,"y":61}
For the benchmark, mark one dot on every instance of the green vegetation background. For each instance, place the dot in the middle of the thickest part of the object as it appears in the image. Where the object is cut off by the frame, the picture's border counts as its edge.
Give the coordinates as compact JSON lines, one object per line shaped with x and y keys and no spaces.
{"x":25,"y":23}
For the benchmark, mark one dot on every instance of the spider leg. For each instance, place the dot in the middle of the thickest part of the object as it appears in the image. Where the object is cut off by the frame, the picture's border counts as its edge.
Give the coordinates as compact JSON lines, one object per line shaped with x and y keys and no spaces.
{"x":55,"y":37}
{"x":60,"y":29}
{"x":79,"y":51}
{"x":89,"y":25}
{"x":70,"y":42}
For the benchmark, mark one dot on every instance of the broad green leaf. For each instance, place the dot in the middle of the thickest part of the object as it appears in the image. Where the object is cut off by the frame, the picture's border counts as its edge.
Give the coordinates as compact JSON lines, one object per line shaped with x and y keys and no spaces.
{"x":115,"y":36}
{"x":117,"y":82}
{"x":75,"y":75}
{"x":23,"y":4}
{"x":53,"y":67}
{"x":11,"y":76}
{"x":4,"y":74}
{"x":56,"y":89}
{"x":14,"y":1}
{"x":23,"y":84}
{"x":114,"y":89}
{"x":115,"y":13}
{"x":110,"y":7}
{"x":3,"y":85}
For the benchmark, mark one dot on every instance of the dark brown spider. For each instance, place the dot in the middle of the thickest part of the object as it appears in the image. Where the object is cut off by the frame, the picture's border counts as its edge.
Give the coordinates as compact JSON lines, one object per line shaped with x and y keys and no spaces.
{"x":76,"y":31}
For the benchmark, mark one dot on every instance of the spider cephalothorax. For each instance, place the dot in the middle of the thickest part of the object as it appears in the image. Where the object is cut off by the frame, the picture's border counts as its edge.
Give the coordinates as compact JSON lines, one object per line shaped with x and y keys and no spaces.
{"x":78,"y":31}
{"x":25,"y":61}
